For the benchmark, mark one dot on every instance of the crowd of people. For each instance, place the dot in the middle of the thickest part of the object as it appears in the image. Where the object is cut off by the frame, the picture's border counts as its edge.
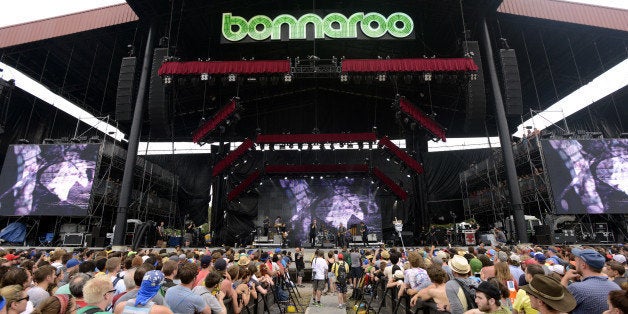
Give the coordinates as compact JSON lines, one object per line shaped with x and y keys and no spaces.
{"x":474,"y":279}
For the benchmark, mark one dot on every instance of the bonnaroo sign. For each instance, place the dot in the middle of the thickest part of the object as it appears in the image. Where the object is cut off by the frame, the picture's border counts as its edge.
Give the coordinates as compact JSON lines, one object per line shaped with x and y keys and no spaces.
{"x":359,"y":25}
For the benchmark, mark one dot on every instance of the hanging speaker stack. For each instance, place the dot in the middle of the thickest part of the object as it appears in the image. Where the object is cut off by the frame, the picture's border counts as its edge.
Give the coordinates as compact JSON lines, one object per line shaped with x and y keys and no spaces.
{"x":511,"y":83}
{"x":476,"y":95}
{"x":126,"y":88}
{"x":158,"y":105}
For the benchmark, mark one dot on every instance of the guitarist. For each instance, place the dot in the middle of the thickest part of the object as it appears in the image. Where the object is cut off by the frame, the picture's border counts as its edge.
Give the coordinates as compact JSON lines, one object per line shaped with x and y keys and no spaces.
{"x":284,"y":238}
{"x":341,"y":237}
{"x":365,"y":234}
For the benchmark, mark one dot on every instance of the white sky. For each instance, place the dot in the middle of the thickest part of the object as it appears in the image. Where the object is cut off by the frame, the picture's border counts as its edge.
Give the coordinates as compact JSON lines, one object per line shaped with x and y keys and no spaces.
{"x":20,"y":11}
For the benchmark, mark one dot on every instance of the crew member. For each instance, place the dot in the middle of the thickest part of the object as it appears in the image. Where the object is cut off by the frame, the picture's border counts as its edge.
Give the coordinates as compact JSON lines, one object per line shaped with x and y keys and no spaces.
{"x":365,"y":233}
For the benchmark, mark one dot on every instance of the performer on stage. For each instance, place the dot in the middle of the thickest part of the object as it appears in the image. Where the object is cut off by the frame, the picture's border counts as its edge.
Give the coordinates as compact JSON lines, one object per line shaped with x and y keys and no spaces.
{"x":189,"y":232}
{"x":161,"y":234}
{"x":365,"y":234}
{"x":266,"y":225}
{"x":313,"y":228}
{"x":341,"y":237}
{"x":279,"y":225}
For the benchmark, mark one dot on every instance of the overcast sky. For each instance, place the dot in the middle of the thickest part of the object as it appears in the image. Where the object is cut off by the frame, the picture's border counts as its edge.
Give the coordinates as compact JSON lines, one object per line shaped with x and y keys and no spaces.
{"x":20,"y":11}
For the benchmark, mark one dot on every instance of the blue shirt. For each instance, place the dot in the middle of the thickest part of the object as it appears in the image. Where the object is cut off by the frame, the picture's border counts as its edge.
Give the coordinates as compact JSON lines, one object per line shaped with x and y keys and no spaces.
{"x":591,"y":294}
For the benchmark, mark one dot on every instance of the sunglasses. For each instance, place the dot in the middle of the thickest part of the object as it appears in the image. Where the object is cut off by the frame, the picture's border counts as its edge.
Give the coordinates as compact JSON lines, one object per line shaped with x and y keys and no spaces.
{"x":110,"y":291}
{"x":24,"y":298}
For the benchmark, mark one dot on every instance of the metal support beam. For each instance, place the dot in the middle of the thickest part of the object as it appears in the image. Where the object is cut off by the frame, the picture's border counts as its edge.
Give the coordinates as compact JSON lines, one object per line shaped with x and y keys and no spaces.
{"x":134,"y":139}
{"x":504,"y":139}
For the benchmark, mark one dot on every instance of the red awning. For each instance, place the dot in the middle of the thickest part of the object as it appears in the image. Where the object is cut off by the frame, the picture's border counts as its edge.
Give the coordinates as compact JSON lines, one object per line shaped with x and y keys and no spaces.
{"x":408,"y":65}
{"x":225,"y":67}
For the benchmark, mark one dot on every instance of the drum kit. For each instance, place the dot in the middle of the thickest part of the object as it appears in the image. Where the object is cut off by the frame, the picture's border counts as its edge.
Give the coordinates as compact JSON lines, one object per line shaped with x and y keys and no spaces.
{"x":325,"y":236}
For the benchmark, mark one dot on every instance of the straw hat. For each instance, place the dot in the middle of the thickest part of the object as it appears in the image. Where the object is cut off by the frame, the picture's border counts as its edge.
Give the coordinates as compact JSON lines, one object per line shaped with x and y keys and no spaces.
{"x":550,"y":291}
{"x":459,"y":265}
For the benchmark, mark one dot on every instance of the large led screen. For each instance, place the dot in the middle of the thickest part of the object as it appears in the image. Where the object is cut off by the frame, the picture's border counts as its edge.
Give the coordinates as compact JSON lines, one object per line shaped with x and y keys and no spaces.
{"x":47,"y":180}
{"x":331,"y":201}
{"x":588,"y":176}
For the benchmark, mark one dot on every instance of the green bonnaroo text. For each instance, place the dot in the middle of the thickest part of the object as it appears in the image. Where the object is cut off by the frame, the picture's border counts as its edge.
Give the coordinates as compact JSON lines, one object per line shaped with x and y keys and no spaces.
{"x":333,"y":25}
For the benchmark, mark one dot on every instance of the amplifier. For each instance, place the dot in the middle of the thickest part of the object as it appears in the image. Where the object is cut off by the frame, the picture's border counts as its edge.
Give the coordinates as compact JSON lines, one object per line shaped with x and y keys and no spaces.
{"x":357,"y":238}
{"x":262,"y":239}
{"x":372,"y":237}
{"x":73,"y":239}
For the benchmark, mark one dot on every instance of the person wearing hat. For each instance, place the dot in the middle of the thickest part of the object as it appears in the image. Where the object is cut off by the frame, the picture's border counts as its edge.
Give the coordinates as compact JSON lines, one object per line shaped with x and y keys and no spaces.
{"x":592,"y":290}
{"x":455,"y":287}
{"x":340,"y":269}
{"x":206,"y":263}
{"x":143,"y":301}
{"x":488,"y":298}
{"x":548,"y":296}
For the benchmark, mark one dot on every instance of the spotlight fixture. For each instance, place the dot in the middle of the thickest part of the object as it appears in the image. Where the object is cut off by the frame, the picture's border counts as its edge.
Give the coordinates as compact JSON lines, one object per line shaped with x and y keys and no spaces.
{"x":623,"y":135}
{"x":344,"y":77}
{"x":94,"y":139}
{"x":282,"y":146}
{"x":287,"y":78}
{"x":567,"y":135}
{"x":231,"y":77}
{"x":427,"y":76}
{"x":596,"y":134}
{"x":350,"y":145}
{"x":167,"y":79}
{"x":49,"y":141}
{"x":75,"y":140}
{"x":342,"y":145}
{"x":204,"y":76}
{"x":381,"y":77}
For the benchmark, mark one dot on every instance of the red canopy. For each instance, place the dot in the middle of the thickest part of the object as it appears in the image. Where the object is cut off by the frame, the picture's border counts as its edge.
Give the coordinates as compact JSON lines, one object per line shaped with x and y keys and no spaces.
{"x":408,"y":65}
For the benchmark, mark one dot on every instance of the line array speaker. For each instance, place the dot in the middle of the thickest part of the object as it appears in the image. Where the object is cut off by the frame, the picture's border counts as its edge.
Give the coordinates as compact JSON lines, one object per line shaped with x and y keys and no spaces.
{"x":126,"y":88}
{"x":476,"y":94}
{"x":511,"y":84}
{"x":158,"y":105}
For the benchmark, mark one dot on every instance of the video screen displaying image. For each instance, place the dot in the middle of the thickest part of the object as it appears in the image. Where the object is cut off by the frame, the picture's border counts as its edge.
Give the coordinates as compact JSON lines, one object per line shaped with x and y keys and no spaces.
{"x":47,"y":180}
{"x":331,"y":201}
{"x":588,"y":176}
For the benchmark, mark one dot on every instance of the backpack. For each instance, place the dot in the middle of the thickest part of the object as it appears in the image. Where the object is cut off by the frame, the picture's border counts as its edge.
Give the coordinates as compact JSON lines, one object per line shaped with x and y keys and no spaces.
{"x":341,"y":272}
{"x":469,"y":295}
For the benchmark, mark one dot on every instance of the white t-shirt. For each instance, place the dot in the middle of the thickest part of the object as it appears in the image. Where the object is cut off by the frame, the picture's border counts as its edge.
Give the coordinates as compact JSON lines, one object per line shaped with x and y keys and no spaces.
{"x":319,"y":268}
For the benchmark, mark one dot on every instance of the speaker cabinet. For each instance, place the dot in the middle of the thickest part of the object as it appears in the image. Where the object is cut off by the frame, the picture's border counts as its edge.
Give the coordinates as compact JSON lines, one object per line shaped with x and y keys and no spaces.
{"x":357,"y":238}
{"x":544,"y":239}
{"x":89,"y":240}
{"x":73,"y":239}
{"x":125,"y":92}
{"x":100,"y":242}
{"x":511,"y":84}
{"x":476,"y":95}
{"x":158,"y":106}
{"x":542,"y":230}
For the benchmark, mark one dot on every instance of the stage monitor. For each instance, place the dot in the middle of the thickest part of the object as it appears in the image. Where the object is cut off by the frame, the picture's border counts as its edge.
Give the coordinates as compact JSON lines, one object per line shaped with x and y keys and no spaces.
{"x":332,"y":201}
{"x":588,"y":176}
{"x":48,"y":180}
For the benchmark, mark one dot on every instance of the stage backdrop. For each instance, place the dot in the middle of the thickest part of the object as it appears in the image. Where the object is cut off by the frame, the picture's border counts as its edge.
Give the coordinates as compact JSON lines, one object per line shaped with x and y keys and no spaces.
{"x":332,"y":201}
{"x":588,"y":176}
{"x":48,"y":180}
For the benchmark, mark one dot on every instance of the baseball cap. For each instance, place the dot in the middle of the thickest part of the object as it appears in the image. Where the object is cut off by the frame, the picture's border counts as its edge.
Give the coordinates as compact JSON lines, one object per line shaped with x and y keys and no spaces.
{"x":621,"y":258}
{"x":72,"y":262}
{"x":11,"y":257}
{"x":206,"y":260}
{"x":220,"y":264}
{"x":340,"y":256}
{"x":277,"y":250}
{"x":540,"y":257}
{"x":592,"y":257}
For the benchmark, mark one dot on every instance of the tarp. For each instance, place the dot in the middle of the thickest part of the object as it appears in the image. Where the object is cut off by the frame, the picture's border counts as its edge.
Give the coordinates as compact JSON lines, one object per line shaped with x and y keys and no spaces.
{"x":14,"y":232}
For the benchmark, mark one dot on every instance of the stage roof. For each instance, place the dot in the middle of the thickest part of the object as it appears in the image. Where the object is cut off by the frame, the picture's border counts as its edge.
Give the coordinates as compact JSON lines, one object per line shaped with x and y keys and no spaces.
{"x":79,"y":57}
